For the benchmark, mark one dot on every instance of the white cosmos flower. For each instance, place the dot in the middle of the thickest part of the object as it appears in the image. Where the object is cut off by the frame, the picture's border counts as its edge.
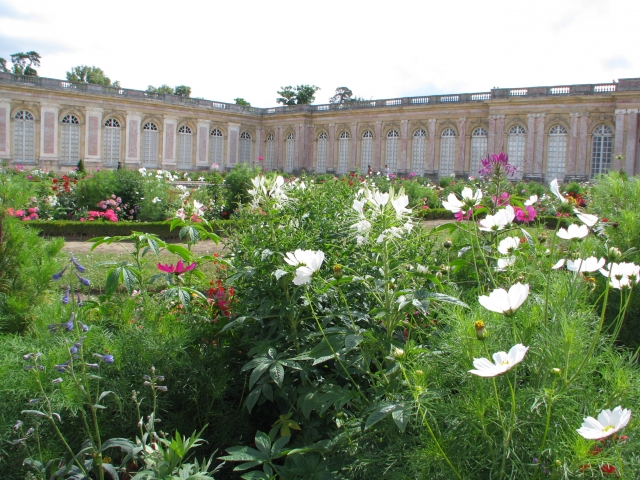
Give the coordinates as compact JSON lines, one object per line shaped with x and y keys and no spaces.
{"x":469,"y":199}
{"x":555,"y":189}
{"x":505,"y":262}
{"x":574,"y":231}
{"x":498,"y":221}
{"x":508,"y":245}
{"x":622,"y":274}
{"x":501,"y":301}
{"x":590,"y":264}
{"x":586,"y":218}
{"x":608,"y":423}
{"x":533,"y":199}
{"x":503,"y":362}
{"x":559,"y":264}
{"x":307,"y":262}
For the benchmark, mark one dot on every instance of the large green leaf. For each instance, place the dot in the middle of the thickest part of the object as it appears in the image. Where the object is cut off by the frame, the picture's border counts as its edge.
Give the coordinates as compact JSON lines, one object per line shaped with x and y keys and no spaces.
{"x":380,"y":412}
{"x":277,"y":373}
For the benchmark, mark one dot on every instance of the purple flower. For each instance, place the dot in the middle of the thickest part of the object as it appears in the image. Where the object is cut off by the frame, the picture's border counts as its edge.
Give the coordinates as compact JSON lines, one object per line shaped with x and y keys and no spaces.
{"x":17,"y":425}
{"x":62,"y":367}
{"x":83,"y":281}
{"x":162,"y":388}
{"x":79,"y":302}
{"x":58,"y":275}
{"x":57,"y":380}
{"x":83,"y":327}
{"x":68,"y":326}
{"x":496,"y":164}
{"x":79,"y":267}
{"x":92,"y":365}
{"x":65,"y":298}
{"x":104,"y":358}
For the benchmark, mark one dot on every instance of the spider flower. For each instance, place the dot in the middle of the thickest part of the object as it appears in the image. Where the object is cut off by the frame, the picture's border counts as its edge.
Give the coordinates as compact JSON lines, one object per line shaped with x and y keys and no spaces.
{"x":307,"y":262}
{"x":501,"y":301}
{"x":503,"y":362}
{"x":555,"y":189}
{"x":178,"y":269}
{"x":469,"y":200}
{"x":607,"y":423}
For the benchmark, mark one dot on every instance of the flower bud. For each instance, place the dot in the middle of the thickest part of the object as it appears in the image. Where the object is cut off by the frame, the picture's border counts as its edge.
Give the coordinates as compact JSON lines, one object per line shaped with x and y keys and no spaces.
{"x":337,"y":271}
{"x":448,"y":243}
{"x":556,"y":371}
{"x":614,"y":253}
{"x":481,"y":331}
{"x":558,"y":463}
{"x":542,"y":238}
{"x":397,"y":352}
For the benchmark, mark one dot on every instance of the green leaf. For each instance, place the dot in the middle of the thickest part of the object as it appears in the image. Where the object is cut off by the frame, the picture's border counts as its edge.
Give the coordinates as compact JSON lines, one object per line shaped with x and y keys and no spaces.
{"x":351,"y":342}
{"x":255,"y":475}
{"x":277,"y":373}
{"x":529,"y":238}
{"x":267,"y":391}
{"x":244,"y":454}
{"x":278,"y":445}
{"x":401,"y":418}
{"x":113,"y":279}
{"x":252,"y":398}
{"x":380,"y":413}
{"x":115,"y":396}
{"x":181,"y":251}
{"x":257,"y":373}
{"x":446,"y":226}
{"x":263,"y":442}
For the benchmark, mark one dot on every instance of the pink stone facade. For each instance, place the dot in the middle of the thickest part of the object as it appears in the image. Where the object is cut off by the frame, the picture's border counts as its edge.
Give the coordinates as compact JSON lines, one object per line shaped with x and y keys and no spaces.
{"x":579,"y":109}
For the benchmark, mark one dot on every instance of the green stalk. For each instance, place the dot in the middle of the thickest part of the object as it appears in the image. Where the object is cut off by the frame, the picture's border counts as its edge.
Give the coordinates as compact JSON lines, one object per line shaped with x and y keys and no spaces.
{"x":546,"y":293}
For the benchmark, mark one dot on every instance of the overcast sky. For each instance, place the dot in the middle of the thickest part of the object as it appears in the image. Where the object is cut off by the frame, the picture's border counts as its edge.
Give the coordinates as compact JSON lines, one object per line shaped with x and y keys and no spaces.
{"x":379,"y":49}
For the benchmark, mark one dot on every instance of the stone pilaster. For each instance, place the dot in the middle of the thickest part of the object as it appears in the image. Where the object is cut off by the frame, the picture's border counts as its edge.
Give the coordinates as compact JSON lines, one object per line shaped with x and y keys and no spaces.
{"x":539,"y":147}
{"x":310,"y":133}
{"x":377,"y":150}
{"x":5,"y":148}
{"x":202,"y":143}
{"x":431,"y":149}
{"x":491,"y":141}
{"x":499,"y":133}
{"x":169,"y":144}
{"x":49,"y":133}
{"x":132,"y":138}
{"x":581,"y":160}
{"x":331,"y":148}
{"x":402,"y":164}
{"x":93,"y":135}
{"x":531,"y":142}
{"x":353,"y":162}
{"x":632,"y":141}
{"x":618,"y":140}
{"x":233,"y":144}
{"x":573,"y":144}
{"x":459,"y":168}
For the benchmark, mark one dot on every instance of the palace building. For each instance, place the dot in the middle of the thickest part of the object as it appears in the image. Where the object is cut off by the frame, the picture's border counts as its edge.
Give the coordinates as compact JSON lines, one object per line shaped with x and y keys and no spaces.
{"x":570,"y":132}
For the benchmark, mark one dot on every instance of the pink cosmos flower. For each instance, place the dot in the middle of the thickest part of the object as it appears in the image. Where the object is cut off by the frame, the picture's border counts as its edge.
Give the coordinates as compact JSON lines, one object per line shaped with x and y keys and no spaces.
{"x":178,"y":269}
{"x":526,"y":214}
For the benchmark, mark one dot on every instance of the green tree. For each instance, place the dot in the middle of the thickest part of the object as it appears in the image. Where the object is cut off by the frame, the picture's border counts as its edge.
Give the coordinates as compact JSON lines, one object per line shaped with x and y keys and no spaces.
{"x":3,"y":66}
{"x":241,"y":101}
{"x":342,"y":95}
{"x":86,"y":74}
{"x":182,"y":91}
{"x":300,"y":95}
{"x":24,"y":63}
{"x":161,"y":89}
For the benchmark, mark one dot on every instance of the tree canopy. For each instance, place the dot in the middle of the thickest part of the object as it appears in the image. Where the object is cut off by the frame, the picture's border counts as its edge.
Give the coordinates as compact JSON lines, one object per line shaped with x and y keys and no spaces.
{"x":241,"y":101}
{"x":180,"y":90}
{"x":86,"y":74}
{"x":23,"y":63}
{"x":300,"y":95}
{"x":342,"y":95}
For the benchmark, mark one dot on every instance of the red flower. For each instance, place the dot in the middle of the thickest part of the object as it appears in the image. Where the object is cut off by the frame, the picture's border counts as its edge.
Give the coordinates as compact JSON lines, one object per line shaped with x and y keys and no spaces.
{"x":608,"y":469}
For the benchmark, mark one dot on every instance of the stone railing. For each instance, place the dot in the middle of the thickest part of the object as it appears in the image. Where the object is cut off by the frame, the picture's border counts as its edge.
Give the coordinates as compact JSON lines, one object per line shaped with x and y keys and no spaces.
{"x":624,"y":84}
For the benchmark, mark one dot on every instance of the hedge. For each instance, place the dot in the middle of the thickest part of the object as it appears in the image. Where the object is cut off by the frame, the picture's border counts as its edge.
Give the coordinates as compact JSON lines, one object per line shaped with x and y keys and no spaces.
{"x":435,"y":214}
{"x":69,"y":229}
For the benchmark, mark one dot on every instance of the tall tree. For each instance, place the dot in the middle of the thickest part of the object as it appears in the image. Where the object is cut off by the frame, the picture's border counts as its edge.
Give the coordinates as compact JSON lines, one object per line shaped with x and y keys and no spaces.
{"x":241,"y":101}
{"x":161,"y":89}
{"x":342,"y":95}
{"x":3,"y":66}
{"x":24,"y":63}
{"x":300,"y":95}
{"x":182,"y":91}
{"x":86,"y":74}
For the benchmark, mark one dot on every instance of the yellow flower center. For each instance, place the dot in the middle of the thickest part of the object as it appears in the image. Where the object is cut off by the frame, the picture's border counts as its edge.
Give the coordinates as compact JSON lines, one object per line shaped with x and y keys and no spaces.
{"x":506,"y":362}
{"x":607,"y":428}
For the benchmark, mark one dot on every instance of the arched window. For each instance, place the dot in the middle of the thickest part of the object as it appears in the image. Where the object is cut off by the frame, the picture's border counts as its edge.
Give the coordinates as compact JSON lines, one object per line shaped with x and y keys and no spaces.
{"x":366,"y":153}
{"x":391,"y":158}
{"x":321,"y":166}
{"x":418,"y":151}
{"x":24,"y":139}
{"x":447,"y":152}
{"x":557,"y":153}
{"x":245,"y":148}
{"x":216,"y":142}
{"x":602,"y":144}
{"x":149,"y":145}
{"x":478,"y":150}
{"x":185,"y":140}
{"x":290,"y":148}
{"x":111,"y":142}
{"x":70,"y":140}
{"x":515,"y":149}
{"x":343,"y":152}
{"x":270,"y":153}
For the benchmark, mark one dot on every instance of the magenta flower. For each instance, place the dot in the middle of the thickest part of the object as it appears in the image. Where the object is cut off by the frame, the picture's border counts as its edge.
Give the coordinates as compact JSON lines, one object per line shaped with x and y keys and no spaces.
{"x":462,"y":215}
{"x":496,"y":164}
{"x":526,"y":214}
{"x":177,"y":269}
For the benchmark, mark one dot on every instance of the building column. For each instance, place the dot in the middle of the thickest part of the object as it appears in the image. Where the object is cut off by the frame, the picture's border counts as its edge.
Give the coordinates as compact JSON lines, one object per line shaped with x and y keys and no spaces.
{"x":202,"y":143}
{"x":619,"y":140}
{"x":260,"y":145}
{"x":531,"y":141}
{"x":132,"y":138}
{"x":93,"y":135}
{"x":491,"y":141}
{"x":431,"y":149}
{"x":308,"y":147}
{"x":331,"y":148}
{"x":5,"y":111}
{"x":298,"y":162}
{"x":539,"y":149}
{"x":169,"y":147}
{"x":49,"y":133}
{"x":377,"y":149}
{"x":459,"y":168}
{"x":404,"y":127}
{"x":354,"y":150}
{"x":632,"y":141}
{"x":571,"y":166}
{"x":499,"y":133}
{"x":232,"y":144}
{"x":581,"y":160}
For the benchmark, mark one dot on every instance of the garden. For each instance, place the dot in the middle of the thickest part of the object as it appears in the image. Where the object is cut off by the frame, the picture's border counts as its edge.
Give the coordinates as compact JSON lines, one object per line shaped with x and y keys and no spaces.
{"x":333,"y":333}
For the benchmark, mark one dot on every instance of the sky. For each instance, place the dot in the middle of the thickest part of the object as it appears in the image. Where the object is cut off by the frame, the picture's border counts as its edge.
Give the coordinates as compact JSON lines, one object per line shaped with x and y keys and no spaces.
{"x":379,"y":49}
